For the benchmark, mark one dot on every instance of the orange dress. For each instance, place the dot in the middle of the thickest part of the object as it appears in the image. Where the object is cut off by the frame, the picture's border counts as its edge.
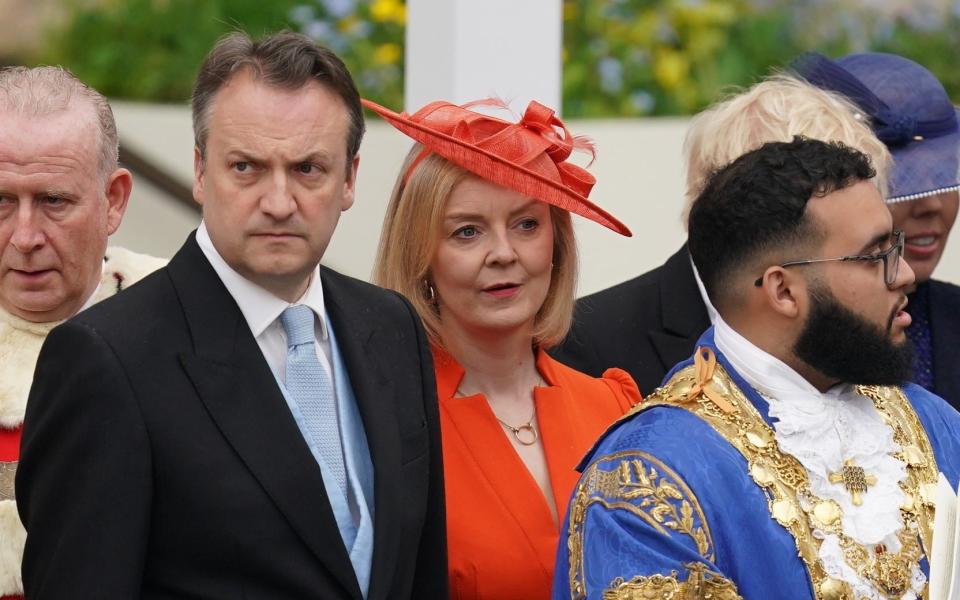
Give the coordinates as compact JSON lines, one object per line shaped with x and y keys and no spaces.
{"x":501,"y":537}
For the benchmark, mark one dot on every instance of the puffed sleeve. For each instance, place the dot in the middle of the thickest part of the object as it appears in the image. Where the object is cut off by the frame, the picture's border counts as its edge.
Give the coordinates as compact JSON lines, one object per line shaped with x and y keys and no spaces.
{"x":634,"y":529}
{"x":623,"y":387}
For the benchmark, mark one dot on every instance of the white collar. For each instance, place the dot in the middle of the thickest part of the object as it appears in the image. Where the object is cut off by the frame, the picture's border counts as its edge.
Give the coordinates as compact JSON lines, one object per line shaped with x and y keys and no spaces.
{"x":260,"y":308}
{"x":711,"y":310}
{"x":763,"y":371}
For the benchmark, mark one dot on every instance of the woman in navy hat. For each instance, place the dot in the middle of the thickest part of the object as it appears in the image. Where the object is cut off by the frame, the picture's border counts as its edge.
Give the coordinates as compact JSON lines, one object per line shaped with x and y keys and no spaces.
{"x":911,"y":113}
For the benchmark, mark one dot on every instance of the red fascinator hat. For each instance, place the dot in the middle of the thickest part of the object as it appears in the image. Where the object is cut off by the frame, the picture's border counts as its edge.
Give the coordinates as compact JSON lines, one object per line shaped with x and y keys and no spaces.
{"x":529,"y":157}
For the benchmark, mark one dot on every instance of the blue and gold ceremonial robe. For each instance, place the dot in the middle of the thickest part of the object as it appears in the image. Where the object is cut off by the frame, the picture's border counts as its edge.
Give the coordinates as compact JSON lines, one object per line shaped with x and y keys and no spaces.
{"x":689,"y":496}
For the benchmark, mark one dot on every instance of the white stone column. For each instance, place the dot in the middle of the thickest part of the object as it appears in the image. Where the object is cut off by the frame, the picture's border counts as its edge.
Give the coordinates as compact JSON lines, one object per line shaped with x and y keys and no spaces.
{"x":462,"y":50}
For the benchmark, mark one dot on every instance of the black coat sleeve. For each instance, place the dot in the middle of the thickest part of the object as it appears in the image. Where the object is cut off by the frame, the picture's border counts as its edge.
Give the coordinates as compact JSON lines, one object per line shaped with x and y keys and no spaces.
{"x":430,"y":578}
{"x":84,"y":480}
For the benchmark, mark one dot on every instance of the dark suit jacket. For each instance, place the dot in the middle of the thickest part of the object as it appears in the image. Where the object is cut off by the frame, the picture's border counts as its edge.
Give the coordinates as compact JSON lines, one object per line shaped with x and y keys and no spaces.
{"x":644,"y":326}
{"x":945,"y":333}
{"x":160,"y":459}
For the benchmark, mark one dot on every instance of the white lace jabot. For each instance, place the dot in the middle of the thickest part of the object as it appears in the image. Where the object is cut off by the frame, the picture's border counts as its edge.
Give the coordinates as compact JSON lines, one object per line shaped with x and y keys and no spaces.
{"x":822,"y":430}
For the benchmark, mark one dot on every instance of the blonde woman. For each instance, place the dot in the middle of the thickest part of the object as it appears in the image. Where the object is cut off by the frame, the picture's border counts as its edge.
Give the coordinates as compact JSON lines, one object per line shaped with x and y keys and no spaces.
{"x":478,"y":236}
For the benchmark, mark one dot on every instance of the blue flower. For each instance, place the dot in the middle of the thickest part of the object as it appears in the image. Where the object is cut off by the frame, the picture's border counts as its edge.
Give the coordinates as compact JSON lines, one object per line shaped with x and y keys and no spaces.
{"x":643,"y":101}
{"x":319,"y":30}
{"x":340,"y":8}
{"x":302,"y":14}
{"x":611,"y":74}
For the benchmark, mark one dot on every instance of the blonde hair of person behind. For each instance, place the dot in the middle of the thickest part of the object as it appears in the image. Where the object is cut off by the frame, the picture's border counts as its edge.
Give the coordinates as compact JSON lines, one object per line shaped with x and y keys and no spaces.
{"x":775,"y":110}
{"x":411,"y":230}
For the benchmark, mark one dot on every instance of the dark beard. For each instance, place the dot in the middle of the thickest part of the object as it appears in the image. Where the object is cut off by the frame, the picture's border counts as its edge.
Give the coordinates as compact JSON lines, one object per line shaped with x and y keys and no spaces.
{"x":842,"y":345}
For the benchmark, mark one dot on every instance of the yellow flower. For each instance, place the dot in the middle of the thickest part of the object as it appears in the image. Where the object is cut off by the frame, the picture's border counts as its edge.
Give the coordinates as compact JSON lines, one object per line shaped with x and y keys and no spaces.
{"x":670,"y":68}
{"x":704,"y":14}
{"x":387,"y":54}
{"x":389,"y":10}
{"x":642,"y":31}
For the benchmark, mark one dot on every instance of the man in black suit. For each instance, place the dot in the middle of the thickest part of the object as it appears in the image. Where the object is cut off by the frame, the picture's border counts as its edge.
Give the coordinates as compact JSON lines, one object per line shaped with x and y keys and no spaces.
{"x":650,"y":323}
{"x":244,"y":423}
{"x":644,"y":325}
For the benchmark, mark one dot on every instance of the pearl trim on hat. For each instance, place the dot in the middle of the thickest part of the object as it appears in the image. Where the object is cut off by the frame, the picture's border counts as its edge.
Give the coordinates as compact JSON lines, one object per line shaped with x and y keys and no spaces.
{"x":917,"y":196}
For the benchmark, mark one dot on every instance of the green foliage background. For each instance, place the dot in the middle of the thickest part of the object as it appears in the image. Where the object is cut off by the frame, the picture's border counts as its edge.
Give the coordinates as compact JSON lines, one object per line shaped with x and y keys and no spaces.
{"x":151,"y":49}
{"x":667,"y":57}
{"x":621,"y":57}
{"x":146,"y":49}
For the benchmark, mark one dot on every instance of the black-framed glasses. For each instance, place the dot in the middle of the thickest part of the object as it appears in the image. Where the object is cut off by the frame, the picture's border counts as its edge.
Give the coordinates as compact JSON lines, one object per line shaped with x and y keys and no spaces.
{"x":891,"y":260}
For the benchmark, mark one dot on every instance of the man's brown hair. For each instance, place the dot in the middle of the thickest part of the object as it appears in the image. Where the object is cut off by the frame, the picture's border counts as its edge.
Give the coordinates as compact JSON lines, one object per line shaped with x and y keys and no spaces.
{"x":287,"y":60}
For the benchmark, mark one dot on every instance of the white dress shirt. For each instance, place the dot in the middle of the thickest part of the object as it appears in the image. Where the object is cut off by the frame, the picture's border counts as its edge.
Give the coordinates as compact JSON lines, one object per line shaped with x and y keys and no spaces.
{"x":262,"y":310}
{"x":353,"y":507}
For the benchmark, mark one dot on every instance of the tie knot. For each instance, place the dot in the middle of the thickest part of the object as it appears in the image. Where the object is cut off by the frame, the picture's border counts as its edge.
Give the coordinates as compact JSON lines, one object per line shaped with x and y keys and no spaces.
{"x":298,"y":323}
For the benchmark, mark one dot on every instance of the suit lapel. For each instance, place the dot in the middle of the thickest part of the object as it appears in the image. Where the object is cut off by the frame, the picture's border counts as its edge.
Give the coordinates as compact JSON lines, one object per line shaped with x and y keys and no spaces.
{"x":474,"y":429}
{"x":238,"y":388}
{"x":372,"y":388}
{"x":684,"y":316}
{"x":564,"y":437}
{"x":471,"y":430}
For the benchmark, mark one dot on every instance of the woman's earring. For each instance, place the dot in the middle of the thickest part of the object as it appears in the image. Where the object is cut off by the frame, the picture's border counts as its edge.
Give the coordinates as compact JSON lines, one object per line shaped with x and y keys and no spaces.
{"x":429,"y":294}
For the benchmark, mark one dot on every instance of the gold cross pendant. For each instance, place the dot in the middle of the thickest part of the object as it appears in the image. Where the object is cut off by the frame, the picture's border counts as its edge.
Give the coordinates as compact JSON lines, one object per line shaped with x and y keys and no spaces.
{"x":854,"y":480}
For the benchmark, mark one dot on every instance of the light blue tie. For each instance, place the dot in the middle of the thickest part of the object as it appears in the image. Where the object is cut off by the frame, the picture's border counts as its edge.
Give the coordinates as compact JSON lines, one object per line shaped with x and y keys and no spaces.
{"x":308,"y":383}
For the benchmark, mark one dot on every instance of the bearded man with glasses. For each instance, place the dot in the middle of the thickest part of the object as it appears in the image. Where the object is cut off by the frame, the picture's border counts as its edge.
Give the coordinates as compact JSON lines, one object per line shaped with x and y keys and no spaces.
{"x":788,"y":458}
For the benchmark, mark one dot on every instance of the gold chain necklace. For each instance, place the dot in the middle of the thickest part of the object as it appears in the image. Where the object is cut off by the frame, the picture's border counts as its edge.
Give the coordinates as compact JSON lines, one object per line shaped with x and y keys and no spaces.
{"x":526,"y":433}
{"x":531,"y":437}
{"x":889,"y":572}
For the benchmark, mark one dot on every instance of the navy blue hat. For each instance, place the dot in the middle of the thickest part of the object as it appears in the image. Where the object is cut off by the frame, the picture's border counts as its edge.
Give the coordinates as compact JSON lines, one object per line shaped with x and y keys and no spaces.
{"x":909,"y":111}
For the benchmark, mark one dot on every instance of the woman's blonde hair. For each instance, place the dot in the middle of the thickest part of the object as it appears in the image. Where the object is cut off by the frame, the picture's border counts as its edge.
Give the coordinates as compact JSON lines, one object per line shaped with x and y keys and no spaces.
{"x":409,"y":239}
{"x":775,"y":110}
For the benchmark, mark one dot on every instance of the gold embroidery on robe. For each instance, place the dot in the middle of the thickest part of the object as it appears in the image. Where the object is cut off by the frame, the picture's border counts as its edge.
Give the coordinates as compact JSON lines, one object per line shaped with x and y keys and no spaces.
{"x":701,"y":584}
{"x":916,"y":452}
{"x":785,"y":480}
{"x":642,"y":485}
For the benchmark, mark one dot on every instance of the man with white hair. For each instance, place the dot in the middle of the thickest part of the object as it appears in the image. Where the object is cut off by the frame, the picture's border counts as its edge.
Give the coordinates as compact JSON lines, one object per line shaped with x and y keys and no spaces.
{"x":61,"y":195}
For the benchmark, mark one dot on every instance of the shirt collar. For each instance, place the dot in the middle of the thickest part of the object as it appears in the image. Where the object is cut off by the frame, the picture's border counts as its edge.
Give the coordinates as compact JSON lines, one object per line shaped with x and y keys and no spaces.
{"x":260,"y":308}
{"x":763,"y":371}
{"x":711,"y":311}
